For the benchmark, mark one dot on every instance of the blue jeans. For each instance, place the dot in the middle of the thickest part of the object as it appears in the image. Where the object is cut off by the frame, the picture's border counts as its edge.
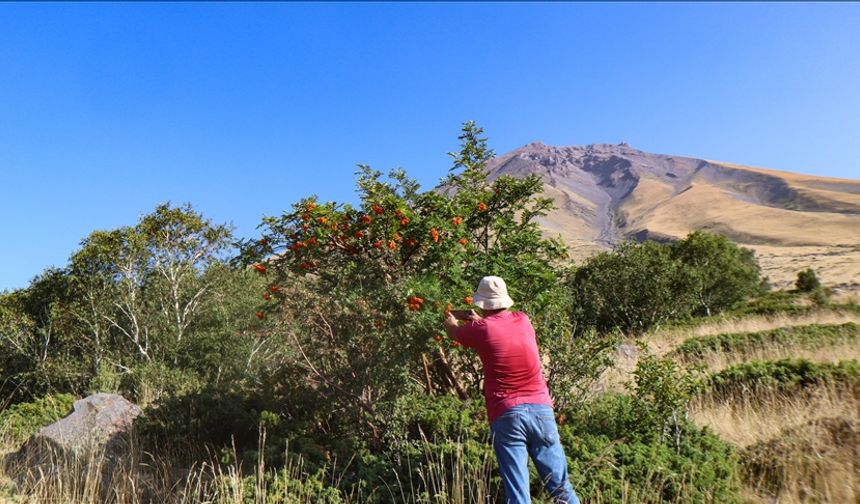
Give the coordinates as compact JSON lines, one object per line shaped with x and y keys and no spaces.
{"x":530,"y":430}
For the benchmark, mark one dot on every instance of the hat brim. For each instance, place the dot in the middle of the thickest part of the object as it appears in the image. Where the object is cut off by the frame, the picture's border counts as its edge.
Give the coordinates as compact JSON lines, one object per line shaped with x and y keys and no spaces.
{"x":498,"y":303}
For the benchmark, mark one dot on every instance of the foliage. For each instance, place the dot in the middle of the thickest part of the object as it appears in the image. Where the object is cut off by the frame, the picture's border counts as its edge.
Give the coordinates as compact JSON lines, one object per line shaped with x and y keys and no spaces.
{"x":771,"y":303}
{"x":808,"y":336}
{"x":611,"y":453}
{"x":807,"y":281}
{"x":577,"y":362}
{"x":22,"y":420}
{"x":783,"y":374}
{"x":40,"y":353}
{"x":443,"y":418}
{"x":142,"y":310}
{"x":144,"y":286}
{"x":723,"y":274}
{"x":615,"y":456}
{"x":633,"y":288}
{"x":639,"y":286}
{"x":208,"y":417}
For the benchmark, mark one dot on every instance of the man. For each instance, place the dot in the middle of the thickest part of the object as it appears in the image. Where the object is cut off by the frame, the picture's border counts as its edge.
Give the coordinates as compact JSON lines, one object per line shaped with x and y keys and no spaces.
{"x":519,"y":407}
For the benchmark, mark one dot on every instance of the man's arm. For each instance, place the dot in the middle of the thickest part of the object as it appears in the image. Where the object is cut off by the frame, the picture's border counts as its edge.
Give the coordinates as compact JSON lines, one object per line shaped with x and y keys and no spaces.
{"x":451,"y":324}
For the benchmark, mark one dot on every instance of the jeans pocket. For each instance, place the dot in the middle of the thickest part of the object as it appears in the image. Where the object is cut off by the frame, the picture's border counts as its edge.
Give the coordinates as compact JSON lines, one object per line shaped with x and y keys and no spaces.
{"x":548,"y":429}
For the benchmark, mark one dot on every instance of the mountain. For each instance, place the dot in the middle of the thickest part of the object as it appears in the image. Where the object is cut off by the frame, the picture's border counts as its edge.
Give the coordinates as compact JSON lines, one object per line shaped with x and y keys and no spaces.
{"x":608,"y":193}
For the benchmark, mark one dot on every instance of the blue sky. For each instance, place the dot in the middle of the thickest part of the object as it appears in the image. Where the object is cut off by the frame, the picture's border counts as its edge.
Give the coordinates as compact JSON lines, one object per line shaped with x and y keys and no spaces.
{"x":107,"y":110}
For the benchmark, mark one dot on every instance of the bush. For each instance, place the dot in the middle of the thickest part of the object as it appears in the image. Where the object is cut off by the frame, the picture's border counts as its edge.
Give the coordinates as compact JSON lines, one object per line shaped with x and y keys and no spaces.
{"x":22,"y":420}
{"x":661,"y":392}
{"x":809,"y":337}
{"x":207,"y":418}
{"x":613,"y":456}
{"x":772,"y":303}
{"x":807,"y":281}
{"x":611,"y":453}
{"x":633,"y":288}
{"x":723,"y":273}
{"x":640,"y":285}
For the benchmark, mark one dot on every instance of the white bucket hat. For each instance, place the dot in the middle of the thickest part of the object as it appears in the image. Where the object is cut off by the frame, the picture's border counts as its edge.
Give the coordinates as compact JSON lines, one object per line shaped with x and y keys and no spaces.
{"x":492,"y":294}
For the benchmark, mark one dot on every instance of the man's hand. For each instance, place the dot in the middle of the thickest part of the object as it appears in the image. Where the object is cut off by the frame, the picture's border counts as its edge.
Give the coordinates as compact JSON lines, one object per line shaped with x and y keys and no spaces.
{"x":450,"y":320}
{"x":451,"y":325}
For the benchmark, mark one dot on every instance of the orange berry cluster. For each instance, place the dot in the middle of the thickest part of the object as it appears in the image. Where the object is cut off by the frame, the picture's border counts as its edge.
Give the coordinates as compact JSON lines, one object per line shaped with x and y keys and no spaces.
{"x":434,"y":235}
{"x":414,"y":303}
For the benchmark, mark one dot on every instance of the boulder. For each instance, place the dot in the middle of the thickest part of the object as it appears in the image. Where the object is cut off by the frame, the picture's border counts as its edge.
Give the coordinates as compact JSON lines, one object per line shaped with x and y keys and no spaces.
{"x":97,"y":428}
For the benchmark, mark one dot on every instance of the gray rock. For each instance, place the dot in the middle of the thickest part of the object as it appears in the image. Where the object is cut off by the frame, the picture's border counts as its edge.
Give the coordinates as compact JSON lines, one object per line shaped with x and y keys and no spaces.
{"x":96,"y":431}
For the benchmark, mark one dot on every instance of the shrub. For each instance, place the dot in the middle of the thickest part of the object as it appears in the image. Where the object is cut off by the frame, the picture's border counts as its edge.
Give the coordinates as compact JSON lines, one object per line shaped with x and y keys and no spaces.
{"x":807,"y":281}
{"x":773,"y":303}
{"x":613,"y":455}
{"x":661,"y":392}
{"x":22,"y":420}
{"x":784,"y":374}
{"x":206,"y":418}
{"x":611,"y":452}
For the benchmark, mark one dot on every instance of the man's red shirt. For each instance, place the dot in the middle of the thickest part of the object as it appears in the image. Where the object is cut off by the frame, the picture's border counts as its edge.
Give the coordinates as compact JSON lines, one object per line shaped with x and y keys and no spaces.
{"x":508,"y":349}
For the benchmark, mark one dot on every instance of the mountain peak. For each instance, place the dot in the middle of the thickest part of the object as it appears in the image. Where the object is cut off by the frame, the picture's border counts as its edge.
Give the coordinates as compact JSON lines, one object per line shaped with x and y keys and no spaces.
{"x":606,"y":193}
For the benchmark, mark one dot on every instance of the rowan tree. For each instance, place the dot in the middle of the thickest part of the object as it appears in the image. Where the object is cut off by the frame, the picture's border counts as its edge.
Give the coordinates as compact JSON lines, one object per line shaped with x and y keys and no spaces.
{"x":359,"y":290}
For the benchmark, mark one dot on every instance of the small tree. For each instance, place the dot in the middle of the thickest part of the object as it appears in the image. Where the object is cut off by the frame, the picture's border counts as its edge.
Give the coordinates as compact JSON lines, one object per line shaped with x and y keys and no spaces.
{"x":360,"y":290}
{"x":632,"y":288}
{"x":722,"y":273}
{"x":807,"y":281}
{"x":662,"y":391}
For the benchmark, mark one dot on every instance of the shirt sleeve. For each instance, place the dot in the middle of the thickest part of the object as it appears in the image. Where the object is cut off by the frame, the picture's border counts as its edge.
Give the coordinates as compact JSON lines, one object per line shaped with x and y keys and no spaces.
{"x":468,"y":333}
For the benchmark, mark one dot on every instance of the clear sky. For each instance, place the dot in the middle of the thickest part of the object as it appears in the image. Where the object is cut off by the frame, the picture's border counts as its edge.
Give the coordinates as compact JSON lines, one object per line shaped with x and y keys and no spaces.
{"x":107,"y":110}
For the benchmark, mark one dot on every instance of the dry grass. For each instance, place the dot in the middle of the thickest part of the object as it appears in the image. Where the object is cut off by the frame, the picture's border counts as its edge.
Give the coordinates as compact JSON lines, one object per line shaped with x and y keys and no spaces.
{"x":717,"y":361}
{"x":791,"y":451}
{"x":746,"y":420}
{"x":149,"y":478}
{"x":793,"y":445}
{"x":139,"y":477}
{"x":662,"y":341}
{"x":815,"y":462}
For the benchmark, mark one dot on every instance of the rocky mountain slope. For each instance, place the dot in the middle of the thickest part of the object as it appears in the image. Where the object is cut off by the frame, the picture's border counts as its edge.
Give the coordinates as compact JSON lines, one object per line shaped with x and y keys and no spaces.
{"x":609,"y":193}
